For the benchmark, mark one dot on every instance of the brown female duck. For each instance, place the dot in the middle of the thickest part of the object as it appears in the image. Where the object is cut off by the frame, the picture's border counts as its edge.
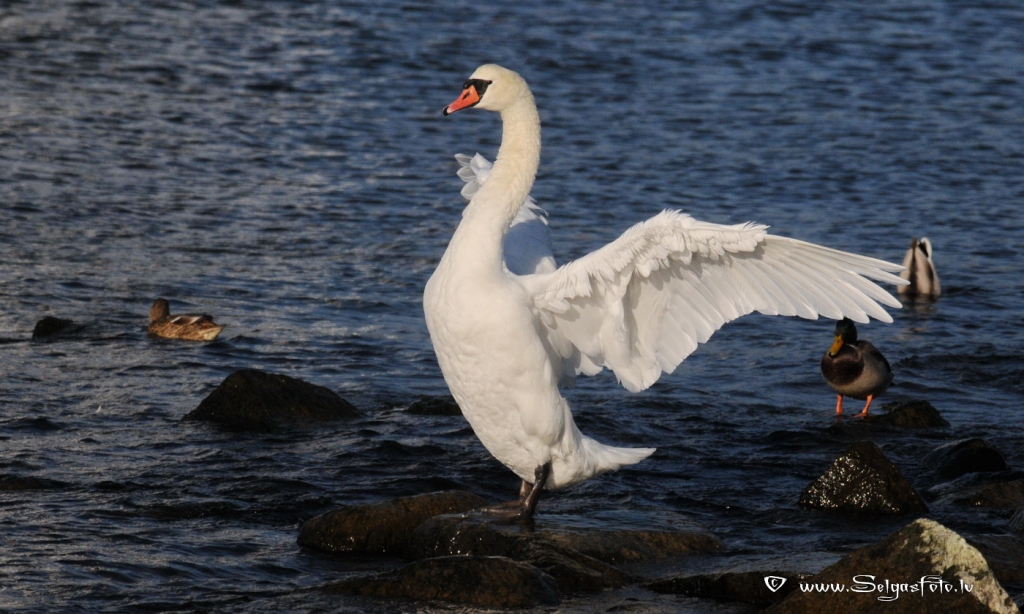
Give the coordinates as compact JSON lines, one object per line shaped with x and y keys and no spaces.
{"x":182,"y":326}
{"x":854,"y":368}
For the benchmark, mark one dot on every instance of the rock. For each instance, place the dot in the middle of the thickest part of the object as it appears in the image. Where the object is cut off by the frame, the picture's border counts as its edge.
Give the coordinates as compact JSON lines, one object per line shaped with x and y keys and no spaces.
{"x":51,"y":327}
{"x":630,"y":546}
{"x":863,"y":480}
{"x":930,"y":566}
{"x":10,"y":483}
{"x":381,"y":528}
{"x":911,"y":414}
{"x":1005,"y":556}
{"x":956,"y":458}
{"x":483,"y":581}
{"x":1017,"y":520}
{"x":480,"y":535}
{"x":743,"y":586}
{"x":435,"y":406}
{"x":1000,"y":489}
{"x":253,"y":400}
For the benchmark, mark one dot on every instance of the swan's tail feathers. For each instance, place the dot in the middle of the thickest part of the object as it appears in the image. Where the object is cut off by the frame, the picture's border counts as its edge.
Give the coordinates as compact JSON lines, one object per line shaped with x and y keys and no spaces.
{"x":610,"y":458}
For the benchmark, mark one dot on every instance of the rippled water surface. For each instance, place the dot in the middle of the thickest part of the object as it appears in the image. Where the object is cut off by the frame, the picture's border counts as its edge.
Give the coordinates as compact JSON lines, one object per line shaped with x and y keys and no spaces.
{"x":285,"y":167}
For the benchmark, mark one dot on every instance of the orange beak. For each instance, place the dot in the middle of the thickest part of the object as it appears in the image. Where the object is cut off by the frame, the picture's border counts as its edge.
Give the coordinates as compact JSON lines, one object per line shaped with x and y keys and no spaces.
{"x":468,"y":98}
{"x":836,"y":345}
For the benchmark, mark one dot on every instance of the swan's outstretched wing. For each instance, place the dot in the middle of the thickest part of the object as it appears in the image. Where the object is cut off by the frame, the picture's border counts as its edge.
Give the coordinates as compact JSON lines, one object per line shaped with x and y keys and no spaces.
{"x":641,"y":304}
{"x":528,"y":242}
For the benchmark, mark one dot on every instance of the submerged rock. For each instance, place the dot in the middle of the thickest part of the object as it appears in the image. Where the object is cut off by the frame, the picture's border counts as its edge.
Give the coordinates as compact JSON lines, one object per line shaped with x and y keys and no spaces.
{"x":254,"y":400}
{"x":758,"y":588}
{"x":483,"y":581}
{"x":51,"y":327}
{"x":956,"y":458}
{"x":382,"y":528}
{"x":1000,"y":489}
{"x":863,"y":480}
{"x":10,"y":483}
{"x":445,"y":529}
{"x":435,"y":406}
{"x":1017,"y":520}
{"x":479,"y":535}
{"x":911,"y":414}
{"x":631,"y":546}
{"x":924,"y":567}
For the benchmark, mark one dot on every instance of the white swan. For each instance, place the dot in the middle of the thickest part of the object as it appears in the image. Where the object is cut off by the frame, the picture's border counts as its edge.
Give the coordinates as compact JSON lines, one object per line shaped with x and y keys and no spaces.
{"x":919,"y":271}
{"x":638,"y":306}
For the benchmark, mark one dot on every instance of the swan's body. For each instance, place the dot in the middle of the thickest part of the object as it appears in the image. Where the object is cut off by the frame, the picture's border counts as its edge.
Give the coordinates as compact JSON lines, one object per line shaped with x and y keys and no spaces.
{"x":919,"y":270}
{"x":855,"y":368}
{"x":192,"y":327}
{"x":639,"y":306}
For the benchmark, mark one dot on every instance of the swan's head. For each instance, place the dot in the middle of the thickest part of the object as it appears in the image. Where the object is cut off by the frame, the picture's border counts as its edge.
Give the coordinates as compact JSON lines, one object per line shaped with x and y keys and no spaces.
{"x":490,"y":87}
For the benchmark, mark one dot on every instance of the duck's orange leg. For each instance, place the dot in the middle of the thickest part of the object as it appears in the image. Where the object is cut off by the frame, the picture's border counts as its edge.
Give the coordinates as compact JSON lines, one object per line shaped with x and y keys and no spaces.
{"x":839,"y":405}
{"x":864,"y":411}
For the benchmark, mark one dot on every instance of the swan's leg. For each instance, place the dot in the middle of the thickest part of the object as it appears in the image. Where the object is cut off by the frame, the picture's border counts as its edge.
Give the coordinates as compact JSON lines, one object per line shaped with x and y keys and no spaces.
{"x":839,"y":405}
{"x":540,"y":477}
{"x":523,"y":507}
{"x":524,"y":490}
{"x":864,"y":412}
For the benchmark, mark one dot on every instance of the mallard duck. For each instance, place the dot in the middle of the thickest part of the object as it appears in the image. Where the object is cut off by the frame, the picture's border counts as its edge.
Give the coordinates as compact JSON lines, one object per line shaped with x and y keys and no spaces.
{"x":855,"y":368}
{"x":639,"y":306}
{"x":919,"y":270}
{"x":182,"y":326}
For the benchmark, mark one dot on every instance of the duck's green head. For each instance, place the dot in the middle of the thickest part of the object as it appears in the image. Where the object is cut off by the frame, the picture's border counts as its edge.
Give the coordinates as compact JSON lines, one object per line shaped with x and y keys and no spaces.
{"x":846,"y":332}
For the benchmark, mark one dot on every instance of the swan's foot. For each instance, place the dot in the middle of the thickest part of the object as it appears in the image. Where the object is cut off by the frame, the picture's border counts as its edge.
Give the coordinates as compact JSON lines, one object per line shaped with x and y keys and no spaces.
{"x":529,"y":494}
{"x":864,"y":412}
{"x":839,"y":405}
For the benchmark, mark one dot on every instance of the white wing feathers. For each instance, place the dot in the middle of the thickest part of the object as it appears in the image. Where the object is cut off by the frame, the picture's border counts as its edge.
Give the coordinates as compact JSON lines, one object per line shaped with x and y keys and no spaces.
{"x":528,"y":242}
{"x":641,"y":304}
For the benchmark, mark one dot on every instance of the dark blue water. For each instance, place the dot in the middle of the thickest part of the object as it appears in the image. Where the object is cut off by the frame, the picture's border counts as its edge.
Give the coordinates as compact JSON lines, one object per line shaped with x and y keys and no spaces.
{"x":285,"y":167}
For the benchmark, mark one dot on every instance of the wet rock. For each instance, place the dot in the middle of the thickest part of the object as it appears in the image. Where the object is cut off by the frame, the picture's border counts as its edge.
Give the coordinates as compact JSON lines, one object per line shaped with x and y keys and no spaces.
{"x":752,"y":587}
{"x":630,"y":546}
{"x":483,"y":581}
{"x":253,"y":400}
{"x":480,"y":535}
{"x":1005,"y":555}
{"x":11,"y":483}
{"x":909,"y":414}
{"x":1017,"y":521}
{"x":922,"y":549}
{"x":863,"y":480}
{"x":435,"y":406}
{"x":1000,"y":489}
{"x":956,"y":458}
{"x":52,"y":327}
{"x":382,"y":528}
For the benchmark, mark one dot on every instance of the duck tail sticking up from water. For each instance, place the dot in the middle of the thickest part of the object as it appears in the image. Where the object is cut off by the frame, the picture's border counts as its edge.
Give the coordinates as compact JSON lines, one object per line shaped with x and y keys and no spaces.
{"x":506,"y":340}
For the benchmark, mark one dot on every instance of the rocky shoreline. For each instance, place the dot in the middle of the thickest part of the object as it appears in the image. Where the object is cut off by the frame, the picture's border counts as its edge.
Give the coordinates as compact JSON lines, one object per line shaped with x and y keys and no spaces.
{"x":439,"y":547}
{"x":447,"y":550}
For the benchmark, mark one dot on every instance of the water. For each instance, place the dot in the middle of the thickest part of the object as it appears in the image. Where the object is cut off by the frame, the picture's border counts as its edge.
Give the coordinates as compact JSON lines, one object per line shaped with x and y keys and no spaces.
{"x":285,"y":167}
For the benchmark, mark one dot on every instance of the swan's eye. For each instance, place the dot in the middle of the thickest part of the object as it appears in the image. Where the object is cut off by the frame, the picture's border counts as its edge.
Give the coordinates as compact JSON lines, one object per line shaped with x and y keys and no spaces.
{"x":480,"y":85}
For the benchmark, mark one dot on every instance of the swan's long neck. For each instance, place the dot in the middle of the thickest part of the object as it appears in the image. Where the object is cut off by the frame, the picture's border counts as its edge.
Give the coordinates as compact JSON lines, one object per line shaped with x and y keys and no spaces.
{"x":488,"y":216}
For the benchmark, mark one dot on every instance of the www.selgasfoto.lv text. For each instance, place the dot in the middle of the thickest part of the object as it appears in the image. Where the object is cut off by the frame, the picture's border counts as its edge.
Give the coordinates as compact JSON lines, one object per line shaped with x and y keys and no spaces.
{"x":890,"y":591}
